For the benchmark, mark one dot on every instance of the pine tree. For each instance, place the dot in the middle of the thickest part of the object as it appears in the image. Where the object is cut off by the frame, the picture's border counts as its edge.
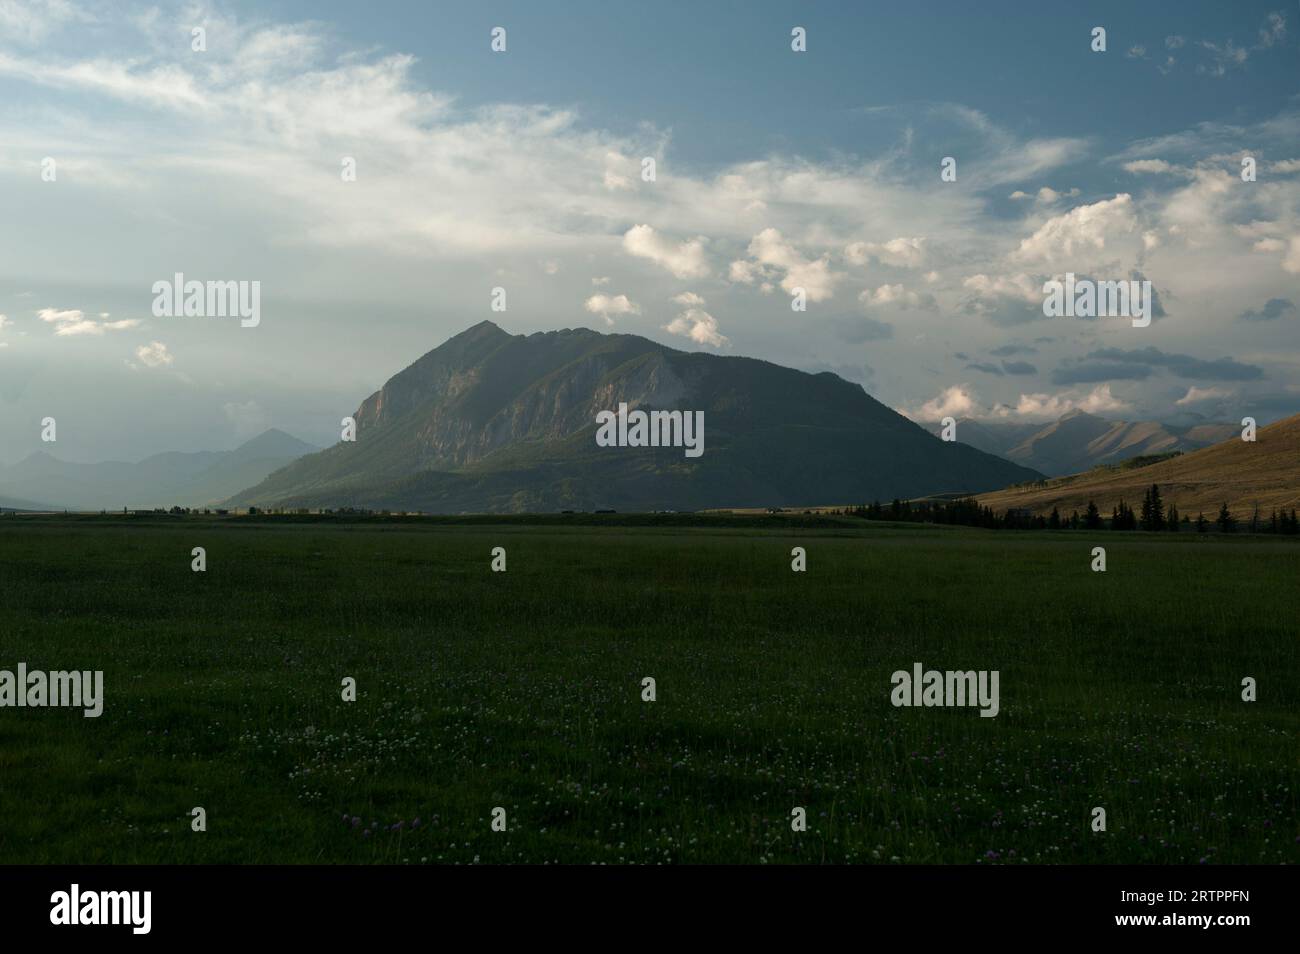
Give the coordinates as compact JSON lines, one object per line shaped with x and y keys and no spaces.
{"x":1225,"y":520}
{"x":1054,"y":521}
{"x":1173,"y":518}
{"x":1201,"y":525}
{"x":1157,"y":509}
{"x":1092,"y":518}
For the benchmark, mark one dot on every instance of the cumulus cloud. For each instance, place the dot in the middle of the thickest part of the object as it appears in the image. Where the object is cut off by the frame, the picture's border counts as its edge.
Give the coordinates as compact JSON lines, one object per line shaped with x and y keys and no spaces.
{"x":685,"y":259}
{"x":897,"y":296}
{"x":1084,"y":229}
{"x":1006,"y":299}
{"x":607,"y":305}
{"x":154,"y":355}
{"x":1043,"y":406}
{"x":956,"y":401}
{"x":898,"y":252}
{"x":773,"y":257}
{"x":695,"y":323}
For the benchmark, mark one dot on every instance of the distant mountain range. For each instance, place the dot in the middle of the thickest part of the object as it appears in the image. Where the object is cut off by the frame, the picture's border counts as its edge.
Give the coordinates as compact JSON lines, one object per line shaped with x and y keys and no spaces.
{"x":494,"y":422}
{"x":43,"y":482}
{"x":1080,"y":441}
{"x":1240,"y":473}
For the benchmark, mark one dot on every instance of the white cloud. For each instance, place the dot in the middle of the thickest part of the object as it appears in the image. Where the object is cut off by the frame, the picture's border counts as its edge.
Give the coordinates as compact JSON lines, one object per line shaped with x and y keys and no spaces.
{"x":154,"y":355}
{"x":74,"y":323}
{"x":956,"y":401}
{"x":606,"y":305}
{"x":772,"y":255}
{"x":1084,"y":229}
{"x":1052,"y":406}
{"x":898,"y":252}
{"x":684,"y":259}
{"x":898,"y":296}
{"x":695,"y":323}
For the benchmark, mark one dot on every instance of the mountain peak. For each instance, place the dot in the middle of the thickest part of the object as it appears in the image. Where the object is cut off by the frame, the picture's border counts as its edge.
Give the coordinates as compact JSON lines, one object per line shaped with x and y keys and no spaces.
{"x":494,"y":421}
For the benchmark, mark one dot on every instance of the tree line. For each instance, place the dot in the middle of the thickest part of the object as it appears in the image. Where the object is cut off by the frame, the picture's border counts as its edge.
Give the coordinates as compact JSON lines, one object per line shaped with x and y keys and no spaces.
{"x":1152,"y":516}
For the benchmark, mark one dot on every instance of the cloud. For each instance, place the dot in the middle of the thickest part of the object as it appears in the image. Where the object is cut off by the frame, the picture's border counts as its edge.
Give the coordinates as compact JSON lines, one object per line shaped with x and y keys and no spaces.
{"x":74,"y":323}
{"x":1084,"y":229}
{"x":1052,"y":406}
{"x":1155,"y":166}
{"x":897,"y":296}
{"x":1018,"y":367}
{"x":154,"y":355}
{"x":772,"y":257}
{"x":1195,"y":395}
{"x":31,"y":21}
{"x":986,"y":368}
{"x":955,"y":401}
{"x":695,"y":323}
{"x":1007,"y":350}
{"x":684,"y":259}
{"x":898,"y":252}
{"x":607,"y":305}
{"x":1108,"y":364}
{"x":1273,"y":309}
{"x":1007,"y":299}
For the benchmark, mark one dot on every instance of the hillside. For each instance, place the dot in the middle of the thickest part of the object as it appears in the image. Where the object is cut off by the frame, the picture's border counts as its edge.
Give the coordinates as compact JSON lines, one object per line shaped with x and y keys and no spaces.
{"x":496,"y":422}
{"x":1266,"y":472}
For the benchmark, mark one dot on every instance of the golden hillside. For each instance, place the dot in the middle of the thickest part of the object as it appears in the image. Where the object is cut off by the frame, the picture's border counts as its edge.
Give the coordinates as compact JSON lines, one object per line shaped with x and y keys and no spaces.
{"x":1266,"y":473}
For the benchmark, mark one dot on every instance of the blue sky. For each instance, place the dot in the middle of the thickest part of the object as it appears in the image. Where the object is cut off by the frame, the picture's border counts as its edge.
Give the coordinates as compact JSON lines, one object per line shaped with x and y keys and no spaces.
{"x":521,"y":169}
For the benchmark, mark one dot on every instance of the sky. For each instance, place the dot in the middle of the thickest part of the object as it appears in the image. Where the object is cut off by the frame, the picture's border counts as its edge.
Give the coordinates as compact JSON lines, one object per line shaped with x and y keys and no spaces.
{"x":127,"y":155}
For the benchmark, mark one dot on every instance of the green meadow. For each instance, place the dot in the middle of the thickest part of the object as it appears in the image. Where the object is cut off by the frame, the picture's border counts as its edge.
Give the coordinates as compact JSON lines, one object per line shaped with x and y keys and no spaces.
{"x":523,"y":690}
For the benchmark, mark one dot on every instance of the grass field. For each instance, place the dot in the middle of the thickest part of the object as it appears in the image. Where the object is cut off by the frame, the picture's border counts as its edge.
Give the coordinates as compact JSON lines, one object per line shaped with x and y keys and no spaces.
{"x":523,"y":690}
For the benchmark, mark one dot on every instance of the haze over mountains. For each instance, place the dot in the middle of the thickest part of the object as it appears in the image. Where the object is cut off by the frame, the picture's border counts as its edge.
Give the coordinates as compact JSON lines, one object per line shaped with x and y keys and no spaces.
{"x":43,"y":482}
{"x":496,"y":422}
{"x":1079,"y":441}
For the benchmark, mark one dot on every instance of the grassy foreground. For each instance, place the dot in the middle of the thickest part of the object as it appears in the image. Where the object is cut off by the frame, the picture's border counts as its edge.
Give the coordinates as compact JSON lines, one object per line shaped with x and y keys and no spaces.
{"x":523,"y":690}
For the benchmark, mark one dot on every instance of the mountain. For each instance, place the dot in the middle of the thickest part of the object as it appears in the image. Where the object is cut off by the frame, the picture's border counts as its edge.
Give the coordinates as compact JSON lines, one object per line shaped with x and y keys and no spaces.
{"x":1080,"y":441}
{"x":163,"y":480}
{"x":1241,"y":474}
{"x":11,"y":503}
{"x":494,"y":422}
